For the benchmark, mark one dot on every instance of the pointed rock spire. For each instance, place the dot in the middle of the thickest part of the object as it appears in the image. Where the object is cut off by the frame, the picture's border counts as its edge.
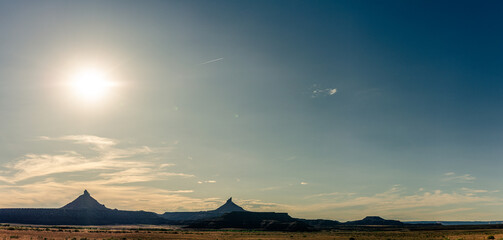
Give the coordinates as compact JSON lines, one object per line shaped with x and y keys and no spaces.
{"x":229,"y":206}
{"x":85,"y":201}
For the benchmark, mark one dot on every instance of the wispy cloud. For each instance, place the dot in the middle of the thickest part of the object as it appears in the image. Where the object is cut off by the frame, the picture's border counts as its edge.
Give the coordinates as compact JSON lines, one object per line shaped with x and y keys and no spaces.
{"x":137,"y":175}
{"x":322,"y":92}
{"x":212,"y":61}
{"x":259,"y":205}
{"x":165,"y":165}
{"x":330,"y":195}
{"x":104,"y":164}
{"x":453,"y":177}
{"x":455,"y":210}
{"x":476,"y":191}
{"x":35,"y":165}
{"x":96,"y":141}
{"x":207,"y":181}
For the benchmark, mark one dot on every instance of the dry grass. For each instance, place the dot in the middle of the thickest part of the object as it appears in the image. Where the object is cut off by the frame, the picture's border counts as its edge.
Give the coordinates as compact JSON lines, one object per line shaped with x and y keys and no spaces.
{"x":22,"y":232}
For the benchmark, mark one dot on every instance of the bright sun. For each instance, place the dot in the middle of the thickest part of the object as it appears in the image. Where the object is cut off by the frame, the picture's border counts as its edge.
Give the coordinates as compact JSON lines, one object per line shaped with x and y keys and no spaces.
{"x":91,"y":84}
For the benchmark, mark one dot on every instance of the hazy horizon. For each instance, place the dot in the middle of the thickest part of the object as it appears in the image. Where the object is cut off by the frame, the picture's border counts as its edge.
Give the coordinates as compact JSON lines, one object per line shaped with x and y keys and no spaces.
{"x":325,"y":109}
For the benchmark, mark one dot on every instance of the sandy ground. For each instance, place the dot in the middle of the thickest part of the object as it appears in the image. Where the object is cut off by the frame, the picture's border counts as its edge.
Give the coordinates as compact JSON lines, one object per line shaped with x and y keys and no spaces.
{"x":166,"y":232}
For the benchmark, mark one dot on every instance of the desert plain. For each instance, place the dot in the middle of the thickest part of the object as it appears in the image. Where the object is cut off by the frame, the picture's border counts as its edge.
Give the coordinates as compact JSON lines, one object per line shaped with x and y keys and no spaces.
{"x":25,"y":232}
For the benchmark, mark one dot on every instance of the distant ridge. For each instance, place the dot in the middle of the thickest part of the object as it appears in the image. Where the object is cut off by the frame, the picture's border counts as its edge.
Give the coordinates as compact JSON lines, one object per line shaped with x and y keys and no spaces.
{"x":85,"y":201}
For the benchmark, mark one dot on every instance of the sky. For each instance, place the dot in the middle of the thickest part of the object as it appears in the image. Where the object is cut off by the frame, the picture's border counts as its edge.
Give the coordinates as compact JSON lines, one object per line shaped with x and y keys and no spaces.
{"x":322,"y":109}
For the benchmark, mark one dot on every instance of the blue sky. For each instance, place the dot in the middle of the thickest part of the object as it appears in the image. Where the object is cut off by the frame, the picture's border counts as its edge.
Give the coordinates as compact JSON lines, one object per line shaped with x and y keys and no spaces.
{"x":325,"y":109}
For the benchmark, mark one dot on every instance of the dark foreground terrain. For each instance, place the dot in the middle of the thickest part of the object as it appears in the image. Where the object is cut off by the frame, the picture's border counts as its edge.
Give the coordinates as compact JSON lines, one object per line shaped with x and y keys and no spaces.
{"x":8,"y":232}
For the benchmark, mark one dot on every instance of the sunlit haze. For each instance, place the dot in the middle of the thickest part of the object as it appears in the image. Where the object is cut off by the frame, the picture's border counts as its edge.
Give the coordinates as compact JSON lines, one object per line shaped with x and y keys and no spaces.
{"x":90,"y":84}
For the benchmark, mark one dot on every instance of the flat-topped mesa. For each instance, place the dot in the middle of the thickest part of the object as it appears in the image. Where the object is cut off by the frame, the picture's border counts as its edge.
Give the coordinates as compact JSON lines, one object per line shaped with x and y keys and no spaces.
{"x":375,"y":220}
{"x":229,"y":206}
{"x":85,"y":202}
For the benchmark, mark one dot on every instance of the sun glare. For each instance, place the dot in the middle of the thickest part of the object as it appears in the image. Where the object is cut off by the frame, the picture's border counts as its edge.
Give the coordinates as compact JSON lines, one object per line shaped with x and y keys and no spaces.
{"x":91,"y":84}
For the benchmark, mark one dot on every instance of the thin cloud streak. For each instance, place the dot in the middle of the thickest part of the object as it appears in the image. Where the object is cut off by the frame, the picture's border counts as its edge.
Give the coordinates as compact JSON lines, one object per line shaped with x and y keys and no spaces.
{"x":207,"y":181}
{"x":453,"y":177}
{"x":212,"y":61}
{"x":331,"y":195}
{"x":323,"y":92}
{"x":96,"y":141}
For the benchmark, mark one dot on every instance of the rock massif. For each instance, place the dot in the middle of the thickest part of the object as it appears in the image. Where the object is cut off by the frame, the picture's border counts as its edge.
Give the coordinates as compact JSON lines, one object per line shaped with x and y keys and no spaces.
{"x":85,"y":201}
{"x":190,"y":217}
{"x":228,"y":207}
{"x":84,"y":210}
